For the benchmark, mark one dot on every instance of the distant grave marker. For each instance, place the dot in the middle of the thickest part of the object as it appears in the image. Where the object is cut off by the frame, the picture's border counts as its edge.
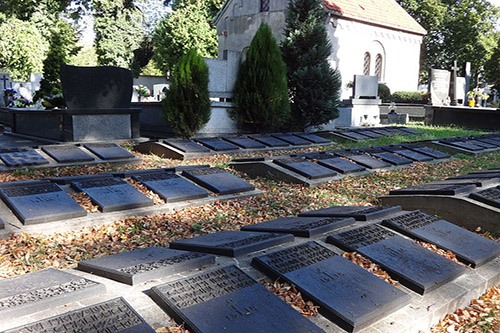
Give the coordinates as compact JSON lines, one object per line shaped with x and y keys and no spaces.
{"x":312,"y":137}
{"x":245,"y":142}
{"x":231,"y":243}
{"x":434,"y":189}
{"x":112,"y":194}
{"x":440,"y":86}
{"x":291,"y":139}
{"x":187,"y":146}
{"x":490,"y":196}
{"x":108,"y":151}
{"x":218,"y":180}
{"x":360,"y":213}
{"x":353,"y":135}
{"x":301,"y":226}
{"x":145,"y":264}
{"x":368,"y":133}
{"x":217,"y":144}
{"x":338,"y":164}
{"x":16,"y":157}
{"x":364,"y":160}
{"x":408,"y":153}
{"x":305,"y":168}
{"x":67,"y":153}
{"x":392,"y":158}
{"x":413,"y":265}
{"x":462,"y":144}
{"x":430,"y":152}
{"x":269,"y":140}
{"x":228,"y":300}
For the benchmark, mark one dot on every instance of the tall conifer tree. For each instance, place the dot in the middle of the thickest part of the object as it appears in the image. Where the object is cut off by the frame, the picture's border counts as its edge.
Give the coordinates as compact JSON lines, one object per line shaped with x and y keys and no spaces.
{"x":314,"y":87}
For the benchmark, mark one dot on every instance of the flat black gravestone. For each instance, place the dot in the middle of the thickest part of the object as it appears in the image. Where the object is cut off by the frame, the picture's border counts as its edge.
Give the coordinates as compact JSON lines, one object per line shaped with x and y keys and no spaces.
{"x":244,"y":142}
{"x":485,"y":145}
{"x":436,"y":154}
{"x":312,"y":138}
{"x":490,"y":141}
{"x":145,"y":264}
{"x":171,"y":187}
{"x":479,"y":182}
{"x":301,"y":226}
{"x":414,"y":266}
{"x":360,"y":213}
{"x":217,"y":144}
{"x":469,"y":247}
{"x":67,"y":153}
{"x":490,"y":196}
{"x":486,"y":175}
{"x":435,"y":189}
{"x":463,"y":144}
{"x":187,"y":146}
{"x":108,"y":151}
{"x":305,"y":168}
{"x":408,"y":153}
{"x":37,"y":291}
{"x":341,"y":165}
{"x":22,"y":157}
{"x":218,"y":180}
{"x":231,"y":243}
{"x":364,"y":160}
{"x":269,"y":140}
{"x":291,"y":139}
{"x":112,"y":194}
{"x":228,"y":300}
{"x":392,"y":158}
{"x":353,"y":135}
{"x":370,"y":134}
{"x":346,"y":294}
{"x":41,"y":202}
{"x":115,"y":315}
{"x":410,"y":130}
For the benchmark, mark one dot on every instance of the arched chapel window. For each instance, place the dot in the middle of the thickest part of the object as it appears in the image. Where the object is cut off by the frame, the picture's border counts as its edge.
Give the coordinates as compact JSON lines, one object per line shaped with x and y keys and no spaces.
{"x":379,"y":66}
{"x":366,"y":63}
{"x":264,"y":5}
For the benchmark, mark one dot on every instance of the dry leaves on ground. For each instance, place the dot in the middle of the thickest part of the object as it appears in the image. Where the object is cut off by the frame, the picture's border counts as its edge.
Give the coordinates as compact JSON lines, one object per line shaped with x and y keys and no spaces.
{"x":288,"y":293}
{"x":85,"y":201}
{"x":157,"y":200}
{"x":370,"y":266}
{"x":445,"y":253}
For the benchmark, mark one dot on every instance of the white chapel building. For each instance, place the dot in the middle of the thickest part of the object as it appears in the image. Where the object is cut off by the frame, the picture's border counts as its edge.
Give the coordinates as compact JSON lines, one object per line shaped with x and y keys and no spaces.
{"x":369,"y":37}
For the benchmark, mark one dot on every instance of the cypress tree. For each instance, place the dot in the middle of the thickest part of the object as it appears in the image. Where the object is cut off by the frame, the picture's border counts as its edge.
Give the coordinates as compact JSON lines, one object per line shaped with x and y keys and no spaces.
{"x":187,"y":103}
{"x":260,"y":93}
{"x":314,"y":87}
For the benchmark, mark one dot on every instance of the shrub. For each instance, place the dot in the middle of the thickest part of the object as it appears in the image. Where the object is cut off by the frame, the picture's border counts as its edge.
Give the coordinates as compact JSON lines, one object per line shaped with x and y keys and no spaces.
{"x":260,"y":92}
{"x":384,"y":93}
{"x":407,"y":97}
{"x":187,"y":104}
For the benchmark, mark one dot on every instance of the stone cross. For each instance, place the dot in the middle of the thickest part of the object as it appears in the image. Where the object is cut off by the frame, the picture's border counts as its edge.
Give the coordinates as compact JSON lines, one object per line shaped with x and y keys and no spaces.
{"x":453,"y":84}
{"x":5,"y":78}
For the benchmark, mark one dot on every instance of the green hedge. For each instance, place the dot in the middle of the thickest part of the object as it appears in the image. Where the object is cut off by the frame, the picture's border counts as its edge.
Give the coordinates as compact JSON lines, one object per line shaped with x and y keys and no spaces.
{"x":384,"y":93}
{"x":407,"y":97}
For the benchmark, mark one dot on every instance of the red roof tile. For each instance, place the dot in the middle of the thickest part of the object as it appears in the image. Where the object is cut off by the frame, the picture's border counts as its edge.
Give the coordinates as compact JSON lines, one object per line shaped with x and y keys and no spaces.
{"x":385,"y":12}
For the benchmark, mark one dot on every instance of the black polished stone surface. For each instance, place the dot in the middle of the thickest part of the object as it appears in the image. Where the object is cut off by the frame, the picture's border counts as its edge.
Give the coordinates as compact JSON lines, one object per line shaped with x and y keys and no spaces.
{"x":305,"y":168}
{"x":108,"y":151}
{"x":435,"y":189}
{"x":244,"y":142}
{"x":490,"y":196}
{"x":269,"y":141}
{"x":218,"y":180}
{"x":217,"y":144}
{"x":360,"y":213}
{"x":67,"y":153}
{"x":187,"y":146}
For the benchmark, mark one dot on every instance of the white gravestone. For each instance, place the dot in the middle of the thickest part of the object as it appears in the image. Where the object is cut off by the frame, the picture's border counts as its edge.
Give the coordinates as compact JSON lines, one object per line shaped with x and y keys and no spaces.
{"x":440,"y":86}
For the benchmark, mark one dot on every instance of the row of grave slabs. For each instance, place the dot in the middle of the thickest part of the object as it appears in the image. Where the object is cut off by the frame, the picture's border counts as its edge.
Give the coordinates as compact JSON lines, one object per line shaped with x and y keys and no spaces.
{"x":316,"y":168}
{"x":198,"y":147}
{"x":210,"y":283}
{"x":28,"y":206}
{"x":470,"y":200}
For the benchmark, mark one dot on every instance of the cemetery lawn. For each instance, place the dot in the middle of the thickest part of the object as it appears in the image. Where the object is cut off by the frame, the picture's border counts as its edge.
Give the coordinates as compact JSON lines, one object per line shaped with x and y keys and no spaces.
{"x":31,"y":252}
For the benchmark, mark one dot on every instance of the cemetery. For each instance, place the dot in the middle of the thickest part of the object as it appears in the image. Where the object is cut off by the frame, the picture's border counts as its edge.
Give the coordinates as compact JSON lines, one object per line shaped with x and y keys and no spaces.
{"x":249,"y":166}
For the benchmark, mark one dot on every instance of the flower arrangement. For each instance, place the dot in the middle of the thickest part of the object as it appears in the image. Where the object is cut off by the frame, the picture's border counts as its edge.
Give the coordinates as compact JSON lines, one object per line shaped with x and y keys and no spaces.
{"x":14,"y":99}
{"x":142,"y":90}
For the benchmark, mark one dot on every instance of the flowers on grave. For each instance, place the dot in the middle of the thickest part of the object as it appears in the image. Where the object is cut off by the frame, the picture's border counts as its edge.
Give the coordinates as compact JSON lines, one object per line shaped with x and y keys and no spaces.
{"x":54,"y":101}
{"x":142,"y":91}
{"x":16,"y":99}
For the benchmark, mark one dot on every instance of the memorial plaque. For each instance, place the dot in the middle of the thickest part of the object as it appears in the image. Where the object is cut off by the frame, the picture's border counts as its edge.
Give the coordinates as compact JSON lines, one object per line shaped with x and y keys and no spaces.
{"x":228,"y":300}
{"x":108,"y":151}
{"x":171,"y":187}
{"x":39,"y":202}
{"x":301,"y":226}
{"x":346,"y":294}
{"x":490,"y":141}
{"x":435,"y":189}
{"x":364,"y":160}
{"x":312,"y":137}
{"x":360,"y":213}
{"x":412,"y":265}
{"x":218,"y":180}
{"x":488,"y":175}
{"x":17,"y":157}
{"x":112,"y":194}
{"x":341,"y":165}
{"x":305,"y":168}
{"x":439,"y":86}
{"x":490,"y":196}
{"x":392,"y":158}
{"x":463,"y":144}
{"x":436,"y":154}
{"x":217,"y":144}
{"x":112,"y":316}
{"x":245,"y":142}
{"x":410,"y":130}
{"x":479,"y":182}
{"x":187,"y":146}
{"x":269,"y":141}
{"x":368,"y":133}
{"x":67,"y":153}
{"x":470,"y":248}
{"x":352,"y":135}
{"x":38,"y":291}
{"x":231,"y":243}
{"x":145,"y":264}
{"x":408,"y":153}
{"x":383,"y":131}
{"x":482,"y":144}
{"x":291,"y":139}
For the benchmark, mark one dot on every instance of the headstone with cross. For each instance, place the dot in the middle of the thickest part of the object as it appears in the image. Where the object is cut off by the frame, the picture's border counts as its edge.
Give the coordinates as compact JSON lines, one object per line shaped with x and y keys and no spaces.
{"x":4,"y":84}
{"x":453,"y":84}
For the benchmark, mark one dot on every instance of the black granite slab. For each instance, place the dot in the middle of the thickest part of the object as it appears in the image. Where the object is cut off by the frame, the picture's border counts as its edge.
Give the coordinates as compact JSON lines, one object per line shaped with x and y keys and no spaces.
{"x":479,"y":182}
{"x":490,"y":196}
{"x":384,"y":131}
{"x":217,"y":144}
{"x":436,"y":154}
{"x":22,"y":157}
{"x":341,"y":165}
{"x":352,"y":135}
{"x":364,"y":160}
{"x":67,"y":180}
{"x":392,"y":158}
{"x":312,"y":137}
{"x":435,"y":189}
{"x":470,"y":248}
{"x":218,"y":180}
{"x":131,"y":173}
{"x":145,"y":264}
{"x":108,"y":151}
{"x":171,"y":187}
{"x":115,"y":315}
{"x":370,"y":134}
{"x":410,"y":130}
{"x":269,"y":141}
{"x":38,"y":291}
{"x":228,"y":300}
{"x":463,"y":144}
{"x":291,"y":139}
{"x":360,"y":213}
{"x":490,"y":141}
{"x":411,"y":154}
{"x":112,"y":194}
{"x":187,"y":146}
{"x":231,"y":243}
{"x":39,"y":202}
{"x":301,"y":226}
{"x":244,"y":142}
{"x":486,"y":175}
{"x":346,"y":294}
{"x":482,"y":144}
{"x":305,"y":168}
{"x":414,"y":266}
{"x":67,"y":153}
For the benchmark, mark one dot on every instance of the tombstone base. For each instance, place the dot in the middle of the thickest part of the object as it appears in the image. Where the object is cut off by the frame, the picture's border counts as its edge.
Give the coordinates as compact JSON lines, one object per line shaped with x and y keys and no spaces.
{"x":361,"y":112}
{"x":479,"y":118}
{"x":398,"y":118}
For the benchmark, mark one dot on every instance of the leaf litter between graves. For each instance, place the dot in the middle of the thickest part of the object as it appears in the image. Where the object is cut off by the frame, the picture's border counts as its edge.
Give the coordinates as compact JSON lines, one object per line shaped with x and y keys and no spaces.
{"x":31,"y":252}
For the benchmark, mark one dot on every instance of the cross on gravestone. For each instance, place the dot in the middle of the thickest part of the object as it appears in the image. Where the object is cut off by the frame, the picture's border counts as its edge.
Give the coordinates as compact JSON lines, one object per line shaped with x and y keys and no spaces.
{"x":4,"y":77}
{"x":453,"y":84}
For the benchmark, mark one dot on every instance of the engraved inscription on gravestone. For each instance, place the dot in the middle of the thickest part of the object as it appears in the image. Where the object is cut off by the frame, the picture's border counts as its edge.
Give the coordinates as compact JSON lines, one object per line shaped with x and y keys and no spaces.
{"x":67,"y":153}
{"x":489,"y":196}
{"x":218,"y":180}
{"x":187,"y":146}
{"x":22,"y":157}
{"x":439,"y":86}
{"x":305,"y":168}
{"x":108,"y":151}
